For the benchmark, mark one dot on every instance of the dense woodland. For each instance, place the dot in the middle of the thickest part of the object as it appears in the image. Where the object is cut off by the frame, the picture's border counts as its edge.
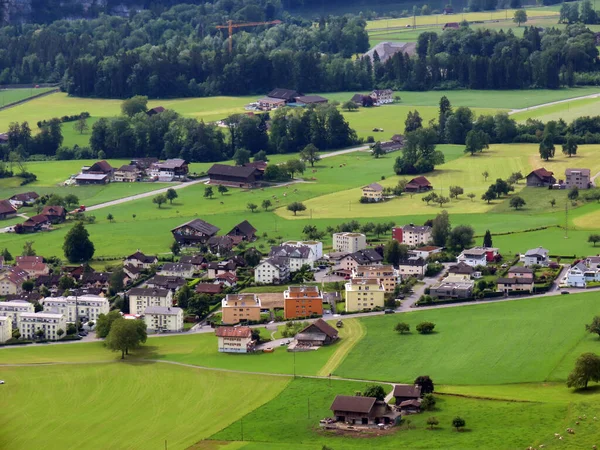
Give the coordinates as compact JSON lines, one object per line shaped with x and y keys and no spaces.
{"x":180,"y":53}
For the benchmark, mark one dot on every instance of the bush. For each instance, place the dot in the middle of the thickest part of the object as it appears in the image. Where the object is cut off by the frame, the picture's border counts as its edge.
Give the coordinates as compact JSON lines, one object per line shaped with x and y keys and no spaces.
{"x":428,"y":402}
{"x":425,"y":327}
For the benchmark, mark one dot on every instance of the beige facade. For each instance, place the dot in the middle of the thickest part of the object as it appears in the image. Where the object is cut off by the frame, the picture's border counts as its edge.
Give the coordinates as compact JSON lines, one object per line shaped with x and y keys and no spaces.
{"x":386,"y":275}
{"x":349,"y":242}
{"x":373,"y":192}
{"x":238,"y":307}
{"x":364,"y":293}
{"x":11,"y":281}
{"x":5,"y":329}
{"x":160,"y":319}
{"x":30,"y":323}
{"x":141,"y":298}
{"x":234,"y":339}
{"x":13,"y":308}
{"x":77,"y":308}
{"x":413,"y":267}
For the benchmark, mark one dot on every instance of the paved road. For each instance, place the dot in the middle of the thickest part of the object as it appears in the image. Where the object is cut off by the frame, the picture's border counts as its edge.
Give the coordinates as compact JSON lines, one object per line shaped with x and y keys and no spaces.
{"x":515,"y":111}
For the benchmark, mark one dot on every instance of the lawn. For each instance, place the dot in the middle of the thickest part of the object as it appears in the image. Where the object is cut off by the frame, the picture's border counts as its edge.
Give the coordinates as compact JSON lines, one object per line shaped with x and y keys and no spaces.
{"x":149,"y":406}
{"x":508,"y":342}
{"x":8,"y":96}
{"x":490,"y":423}
{"x":567,"y":111}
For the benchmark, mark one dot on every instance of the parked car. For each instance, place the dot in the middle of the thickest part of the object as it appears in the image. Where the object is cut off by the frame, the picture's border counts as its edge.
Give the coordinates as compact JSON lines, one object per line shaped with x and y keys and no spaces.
{"x":565,"y":292}
{"x":389,"y":311}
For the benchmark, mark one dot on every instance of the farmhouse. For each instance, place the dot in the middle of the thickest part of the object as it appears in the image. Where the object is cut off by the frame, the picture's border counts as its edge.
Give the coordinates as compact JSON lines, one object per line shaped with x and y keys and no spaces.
{"x":579,"y":178}
{"x":414,"y":266}
{"x":317,"y":334}
{"x":7,"y":210}
{"x":48,"y":323}
{"x":451,"y":26}
{"x":194,"y":232}
{"x":361,"y":410}
{"x":141,"y":298}
{"x":404,"y":392}
{"x":161,"y":319}
{"x":302,"y":301}
{"x":364,"y":294}
{"x":412,"y":235}
{"x":235,"y":339}
{"x":153,"y":111}
{"x":23,"y":199}
{"x":220,"y":245}
{"x":177,"y":270}
{"x":240,"y":307}
{"x":217,"y":268}
{"x":36,"y":223}
{"x":349,"y":242}
{"x":127,"y":173}
{"x":5,"y":329}
{"x":169,"y":170}
{"x":55,"y":214}
{"x":227,"y":279}
{"x":385,"y":50}
{"x":536,"y":256}
{"x":243,"y":231}
{"x":287,"y":95}
{"x":451,"y":287}
{"x":303,"y":100}
{"x":540,"y":178}
{"x":418,"y":184}
{"x":268,"y":103}
{"x":101,"y":172}
{"x":234,"y":176}
{"x":11,"y":281}
{"x":272,"y":271}
{"x":373,"y":192}
{"x":382,"y":96}
{"x":385,"y":275}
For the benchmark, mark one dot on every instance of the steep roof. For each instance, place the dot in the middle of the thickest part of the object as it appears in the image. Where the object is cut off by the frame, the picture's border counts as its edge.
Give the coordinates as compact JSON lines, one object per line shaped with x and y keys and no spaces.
{"x":239,"y":332}
{"x":290,"y":251}
{"x":53,"y":211}
{"x":15,"y":275}
{"x":232,"y":171}
{"x":139,"y":256}
{"x":174,"y":163}
{"x":461,"y":268}
{"x":25,"y":196}
{"x":351,"y":403}
{"x":420,"y":181}
{"x":195,"y":260}
{"x":375,"y":186}
{"x":407,"y":390}
{"x":542,"y":174}
{"x":284,"y":94}
{"x":7,"y":208}
{"x":128,"y":168}
{"x":324,"y":327}
{"x":539,"y":251}
{"x":366,"y":256}
{"x":199,"y":225}
{"x":177,"y":267}
{"x":244,"y":227}
{"x":101,"y":166}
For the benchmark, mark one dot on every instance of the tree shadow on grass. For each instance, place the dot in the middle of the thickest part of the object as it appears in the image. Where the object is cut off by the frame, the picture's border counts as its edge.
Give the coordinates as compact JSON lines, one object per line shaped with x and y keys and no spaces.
{"x":591,"y":390}
{"x":143,"y":355}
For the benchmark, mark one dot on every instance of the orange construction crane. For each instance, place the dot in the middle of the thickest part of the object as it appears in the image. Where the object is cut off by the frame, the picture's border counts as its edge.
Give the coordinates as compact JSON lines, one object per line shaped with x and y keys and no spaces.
{"x":230,"y":26}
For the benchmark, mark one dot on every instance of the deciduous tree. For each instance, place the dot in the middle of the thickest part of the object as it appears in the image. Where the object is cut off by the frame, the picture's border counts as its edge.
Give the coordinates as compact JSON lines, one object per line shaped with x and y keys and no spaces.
{"x":375,"y":390}
{"x":105,"y":321}
{"x":587,"y":368}
{"x":520,"y":17}
{"x":251,"y":206}
{"x":310,"y":154}
{"x":402,"y":327}
{"x":208,"y":192}
{"x":296,"y":207}
{"x":594,"y":327}
{"x":395,"y":252}
{"x":594,"y":238}
{"x":266,"y":204}
{"x":426,"y":383}
{"x":570,"y":145}
{"x":377,"y":150}
{"x":134,"y":105}
{"x":125,"y":335}
{"x":222,"y":189}
{"x":172,"y":195}
{"x":458,"y":423}
{"x":77,"y":246}
{"x":159,"y":200}
{"x":517,"y":202}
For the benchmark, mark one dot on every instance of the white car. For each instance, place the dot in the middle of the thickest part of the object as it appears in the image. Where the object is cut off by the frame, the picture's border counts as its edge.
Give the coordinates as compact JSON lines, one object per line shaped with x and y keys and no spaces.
{"x":1,"y":381}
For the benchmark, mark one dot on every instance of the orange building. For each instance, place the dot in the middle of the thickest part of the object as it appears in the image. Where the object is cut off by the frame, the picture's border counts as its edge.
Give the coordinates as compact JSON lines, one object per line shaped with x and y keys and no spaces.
{"x":302,"y":301}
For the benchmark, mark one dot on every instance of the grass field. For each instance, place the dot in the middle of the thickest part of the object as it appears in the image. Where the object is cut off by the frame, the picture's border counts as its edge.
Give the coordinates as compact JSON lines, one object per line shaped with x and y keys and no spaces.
{"x":483,"y":344}
{"x":8,"y":96}
{"x":148,"y":406}
{"x":568,"y":111}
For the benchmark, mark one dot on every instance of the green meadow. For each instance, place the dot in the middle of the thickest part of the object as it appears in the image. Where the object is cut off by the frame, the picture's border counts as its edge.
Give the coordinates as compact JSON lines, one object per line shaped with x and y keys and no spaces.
{"x":9,"y":96}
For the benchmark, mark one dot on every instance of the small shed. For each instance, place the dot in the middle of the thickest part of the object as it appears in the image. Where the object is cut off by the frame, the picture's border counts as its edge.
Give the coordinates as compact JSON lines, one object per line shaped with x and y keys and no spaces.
{"x":317,"y":334}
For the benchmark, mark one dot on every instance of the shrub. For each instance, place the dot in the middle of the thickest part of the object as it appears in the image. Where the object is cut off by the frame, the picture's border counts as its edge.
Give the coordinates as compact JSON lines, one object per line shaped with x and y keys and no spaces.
{"x":428,"y":402}
{"x":425,"y":327}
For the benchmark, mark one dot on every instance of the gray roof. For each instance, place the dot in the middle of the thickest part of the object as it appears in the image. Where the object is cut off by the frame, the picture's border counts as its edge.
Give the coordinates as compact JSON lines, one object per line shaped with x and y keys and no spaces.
{"x":177,"y":267}
{"x":540,"y":251}
{"x":351,"y":403}
{"x":416,"y":228}
{"x":366,"y":256}
{"x":290,"y":251}
{"x":517,"y":269}
{"x":585,"y":172}
{"x":201,"y":226}
{"x":386,"y":50}
{"x":375,"y":187}
{"x":149,"y":292}
{"x":407,"y":390}
{"x":167,"y":311}
{"x":91,"y":176}
{"x":276,"y":261}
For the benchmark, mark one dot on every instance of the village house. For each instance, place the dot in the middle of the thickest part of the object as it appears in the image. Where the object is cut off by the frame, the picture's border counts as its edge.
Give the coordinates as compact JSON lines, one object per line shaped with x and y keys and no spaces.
{"x":373,"y":192}
{"x":226,"y":279}
{"x":55,"y":214}
{"x":418,"y":184}
{"x":540,"y":178}
{"x":450,"y":288}
{"x":360,"y":258}
{"x":243,"y":231}
{"x":234,"y":176}
{"x":316,"y":334}
{"x":520,"y":272}
{"x":382,"y":96}
{"x":220,"y":246}
{"x":36,"y":223}
{"x":302,"y":301}
{"x":536,"y":256}
{"x":426,"y":251}
{"x":101,"y":172}
{"x":24,"y":199}
{"x":127,"y":173}
{"x":364,"y":294}
{"x":161,"y":319}
{"x":30,"y":297}
{"x":132,"y":272}
{"x":154,"y":111}
{"x":209,"y":288}
{"x":579,"y":178}
{"x":316,"y":247}
{"x":413,"y":266}
{"x":33,"y":265}
{"x":412,"y":235}
{"x":49,"y":323}
{"x":349,"y":242}
{"x":514,"y":284}
{"x":7,"y":210}
{"x":236,"y":308}
{"x":297,"y":256}
{"x":177,"y":270}
{"x":5,"y":329}
{"x":141,"y":298}
{"x":477,"y":256}
{"x":461,"y":270}
{"x":11,"y":281}
{"x":144,"y":164}
{"x":268,"y":103}
{"x":83,"y":308}
{"x":384,"y":274}
{"x":272,"y":271}
{"x":235,"y":339}
{"x":358,"y":410}
{"x":13,"y":308}
{"x":582,"y":273}
{"x":97,"y":280}
{"x":198,"y":261}
{"x":593,"y":262}
{"x":165,"y":282}
{"x":408,"y":397}
{"x":385,"y":50}
{"x":217,"y":268}
{"x":169,"y":170}
{"x":194,"y":232}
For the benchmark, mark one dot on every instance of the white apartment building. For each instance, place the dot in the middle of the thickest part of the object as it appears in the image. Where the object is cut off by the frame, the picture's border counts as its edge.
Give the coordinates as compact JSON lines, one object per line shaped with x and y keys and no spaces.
{"x":13,"y":308}
{"x":160,"y":319}
{"x":49,"y":323}
{"x":83,"y":308}
{"x":272,"y":271}
{"x":141,"y":298}
{"x":349,"y":242}
{"x":316,"y":247}
{"x":5,"y":329}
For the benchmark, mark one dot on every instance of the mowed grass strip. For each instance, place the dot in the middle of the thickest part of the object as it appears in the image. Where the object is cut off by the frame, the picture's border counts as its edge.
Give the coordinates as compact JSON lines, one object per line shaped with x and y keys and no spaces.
{"x":567,"y":111}
{"x":505,"y":342}
{"x":8,"y":96}
{"x":353,"y":332}
{"x":123,"y":405}
{"x":490,"y":423}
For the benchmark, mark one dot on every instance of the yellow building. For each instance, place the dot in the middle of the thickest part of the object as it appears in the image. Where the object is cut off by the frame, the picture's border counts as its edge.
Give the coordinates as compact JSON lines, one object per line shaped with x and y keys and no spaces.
{"x":364,"y":293}
{"x":386,"y":275}
{"x":373,"y":192}
{"x":239,"y":307}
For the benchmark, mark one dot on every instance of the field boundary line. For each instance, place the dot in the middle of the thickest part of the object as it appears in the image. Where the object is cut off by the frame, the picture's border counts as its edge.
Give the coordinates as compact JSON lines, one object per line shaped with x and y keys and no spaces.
{"x":345,"y":347}
{"x":28,"y":99}
{"x":557,"y":102}
{"x":481,"y":397}
{"x":563,"y":357}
